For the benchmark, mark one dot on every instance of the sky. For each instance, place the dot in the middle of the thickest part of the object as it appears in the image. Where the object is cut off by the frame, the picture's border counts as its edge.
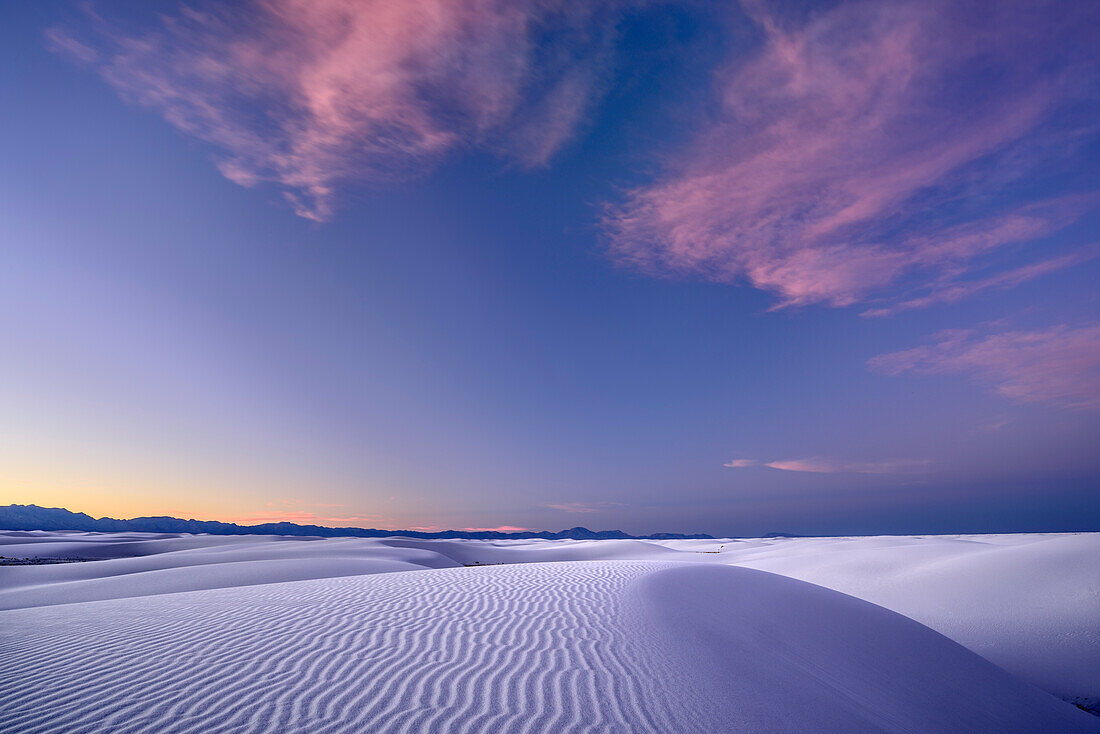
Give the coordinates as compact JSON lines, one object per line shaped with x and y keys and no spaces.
{"x":733,"y":268}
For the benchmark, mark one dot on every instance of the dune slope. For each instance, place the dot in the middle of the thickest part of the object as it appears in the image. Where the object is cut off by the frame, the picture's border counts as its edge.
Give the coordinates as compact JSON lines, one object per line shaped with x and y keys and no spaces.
{"x":1029,"y":603}
{"x":753,"y":651}
{"x":550,"y":647}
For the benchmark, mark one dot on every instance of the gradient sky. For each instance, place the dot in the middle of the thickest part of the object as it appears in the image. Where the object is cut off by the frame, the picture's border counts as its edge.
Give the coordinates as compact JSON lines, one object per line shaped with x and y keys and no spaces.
{"x":776,"y":266}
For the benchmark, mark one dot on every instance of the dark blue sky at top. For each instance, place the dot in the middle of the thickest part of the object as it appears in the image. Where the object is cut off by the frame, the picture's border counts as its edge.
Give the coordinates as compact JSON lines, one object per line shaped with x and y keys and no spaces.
{"x":458,"y":348}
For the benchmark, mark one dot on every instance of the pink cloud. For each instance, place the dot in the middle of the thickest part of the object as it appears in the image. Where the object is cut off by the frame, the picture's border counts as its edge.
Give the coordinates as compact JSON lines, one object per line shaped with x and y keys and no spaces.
{"x":955,"y":291}
{"x":830,"y":466}
{"x":1059,"y":366}
{"x":830,"y":147}
{"x":62,"y":43}
{"x":302,"y":517}
{"x":306,"y":513}
{"x":310,"y":94}
{"x":817,"y":465}
{"x":820,"y":466}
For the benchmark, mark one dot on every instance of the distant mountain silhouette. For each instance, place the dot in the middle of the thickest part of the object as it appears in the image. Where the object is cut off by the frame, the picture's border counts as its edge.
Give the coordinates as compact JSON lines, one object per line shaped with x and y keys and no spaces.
{"x":33,"y":517}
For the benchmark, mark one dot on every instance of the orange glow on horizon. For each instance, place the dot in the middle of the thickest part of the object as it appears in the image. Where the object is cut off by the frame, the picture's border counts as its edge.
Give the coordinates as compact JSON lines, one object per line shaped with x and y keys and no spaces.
{"x":127,"y":504}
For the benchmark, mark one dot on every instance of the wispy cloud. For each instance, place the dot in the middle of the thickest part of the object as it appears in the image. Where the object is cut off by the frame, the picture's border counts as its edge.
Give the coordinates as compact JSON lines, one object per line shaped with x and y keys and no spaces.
{"x":1059,"y":365}
{"x":303,"y":518}
{"x":951,"y":291}
{"x":584,"y":507}
{"x":818,"y":465}
{"x":993,"y":426}
{"x":307,"y":513}
{"x":312,"y":94}
{"x":832,"y":147}
{"x":60,"y":42}
{"x":830,"y":466}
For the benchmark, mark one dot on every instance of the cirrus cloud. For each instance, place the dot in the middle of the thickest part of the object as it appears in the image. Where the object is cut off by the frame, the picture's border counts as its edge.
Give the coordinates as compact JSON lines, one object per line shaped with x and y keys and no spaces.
{"x":302,"y":517}
{"x":310,"y":94}
{"x":819,"y":465}
{"x":830,"y":466}
{"x":1059,"y":365}
{"x":831,"y":147}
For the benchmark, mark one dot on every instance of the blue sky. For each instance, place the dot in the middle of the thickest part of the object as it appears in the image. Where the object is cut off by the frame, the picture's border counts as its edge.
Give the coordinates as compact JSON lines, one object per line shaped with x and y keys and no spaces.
{"x":814,"y":269}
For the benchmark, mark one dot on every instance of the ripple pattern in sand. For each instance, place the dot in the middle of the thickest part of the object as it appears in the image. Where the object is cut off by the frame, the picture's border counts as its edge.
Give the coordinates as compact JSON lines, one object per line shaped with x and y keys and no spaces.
{"x":532,"y":648}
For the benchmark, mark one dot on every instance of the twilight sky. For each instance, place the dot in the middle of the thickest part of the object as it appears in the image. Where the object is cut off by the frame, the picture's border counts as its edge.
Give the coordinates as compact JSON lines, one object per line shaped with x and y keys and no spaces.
{"x":714,"y":267}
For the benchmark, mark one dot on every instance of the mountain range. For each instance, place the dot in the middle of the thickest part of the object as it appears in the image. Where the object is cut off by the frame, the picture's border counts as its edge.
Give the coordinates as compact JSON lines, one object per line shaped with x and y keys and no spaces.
{"x":33,"y":517}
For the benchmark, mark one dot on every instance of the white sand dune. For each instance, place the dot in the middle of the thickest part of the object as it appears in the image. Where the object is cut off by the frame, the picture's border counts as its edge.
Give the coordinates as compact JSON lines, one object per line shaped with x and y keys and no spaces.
{"x":757,"y":652}
{"x":575,"y":646}
{"x":212,"y":633}
{"x":1030,"y":602}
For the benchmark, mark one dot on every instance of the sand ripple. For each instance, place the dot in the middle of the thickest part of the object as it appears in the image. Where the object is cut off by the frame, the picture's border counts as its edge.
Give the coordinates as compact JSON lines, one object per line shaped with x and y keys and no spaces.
{"x":497,"y":649}
{"x":575,"y":646}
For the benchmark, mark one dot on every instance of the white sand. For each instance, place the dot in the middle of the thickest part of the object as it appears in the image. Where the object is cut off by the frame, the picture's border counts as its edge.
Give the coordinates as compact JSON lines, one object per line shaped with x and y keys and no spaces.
{"x":215,"y":633}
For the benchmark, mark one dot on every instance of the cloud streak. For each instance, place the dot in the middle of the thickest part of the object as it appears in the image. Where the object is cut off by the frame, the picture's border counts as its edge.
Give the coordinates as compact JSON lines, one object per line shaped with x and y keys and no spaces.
{"x":831,"y":147}
{"x":829,"y":466}
{"x":956,"y":291}
{"x":819,"y":465}
{"x":310,"y":94}
{"x":302,"y":518}
{"x":1058,"y":366}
